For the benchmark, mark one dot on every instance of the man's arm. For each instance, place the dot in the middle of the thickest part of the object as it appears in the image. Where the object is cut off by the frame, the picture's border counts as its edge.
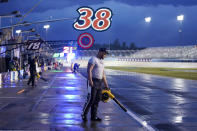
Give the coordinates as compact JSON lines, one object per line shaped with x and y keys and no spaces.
{"x":105,"y":80}
{"x":90,"y":68}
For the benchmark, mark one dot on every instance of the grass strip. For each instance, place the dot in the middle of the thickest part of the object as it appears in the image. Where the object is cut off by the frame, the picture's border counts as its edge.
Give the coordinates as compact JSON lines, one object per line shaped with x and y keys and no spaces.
{"x":170,"y":72}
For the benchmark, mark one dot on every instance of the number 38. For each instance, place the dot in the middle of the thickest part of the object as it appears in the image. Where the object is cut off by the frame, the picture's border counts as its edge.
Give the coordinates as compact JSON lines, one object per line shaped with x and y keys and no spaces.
{"x":101,"y":21}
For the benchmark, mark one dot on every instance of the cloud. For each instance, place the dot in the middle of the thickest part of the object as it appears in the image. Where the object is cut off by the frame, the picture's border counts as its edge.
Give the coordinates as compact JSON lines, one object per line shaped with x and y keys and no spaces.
{"x":159,"y":2}
{"x":127,"y":24}
{"x":45,"y":5}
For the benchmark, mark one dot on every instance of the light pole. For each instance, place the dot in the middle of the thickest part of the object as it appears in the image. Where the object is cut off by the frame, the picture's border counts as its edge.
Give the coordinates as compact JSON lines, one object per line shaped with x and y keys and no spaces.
{"x":148,"y":20}
{"x":20,"y":33}
{"x":46,"y":27}
{"x":180,"y":18}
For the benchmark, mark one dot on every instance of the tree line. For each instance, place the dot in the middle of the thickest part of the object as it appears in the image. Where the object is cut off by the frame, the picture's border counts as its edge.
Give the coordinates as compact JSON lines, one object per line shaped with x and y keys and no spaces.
{"x":116,"y":45}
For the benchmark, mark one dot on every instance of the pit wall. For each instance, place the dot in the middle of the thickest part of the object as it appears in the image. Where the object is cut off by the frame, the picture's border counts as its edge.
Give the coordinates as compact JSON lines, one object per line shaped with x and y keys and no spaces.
{"x":12,"y":76}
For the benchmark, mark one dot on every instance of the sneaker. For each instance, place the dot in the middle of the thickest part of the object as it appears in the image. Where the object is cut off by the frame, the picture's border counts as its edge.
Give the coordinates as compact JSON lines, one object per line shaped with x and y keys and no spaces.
{"x":84,"y":118}
{"x":96,"y":119}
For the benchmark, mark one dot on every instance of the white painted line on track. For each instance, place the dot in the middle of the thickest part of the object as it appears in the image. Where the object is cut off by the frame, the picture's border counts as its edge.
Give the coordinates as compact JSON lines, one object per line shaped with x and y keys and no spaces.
{"x":142,"y":122}
{"x":42,"y":95}
{"x":4,"y":106}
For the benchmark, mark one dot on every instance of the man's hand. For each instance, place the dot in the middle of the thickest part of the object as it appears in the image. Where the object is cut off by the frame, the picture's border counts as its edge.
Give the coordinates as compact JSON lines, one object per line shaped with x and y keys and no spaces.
{"x":91,"y":83}
{"x":106,"y":88}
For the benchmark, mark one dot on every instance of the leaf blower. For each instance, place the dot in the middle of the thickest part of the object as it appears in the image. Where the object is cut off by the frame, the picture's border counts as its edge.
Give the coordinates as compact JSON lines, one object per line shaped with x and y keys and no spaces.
{"x":106,"y":94}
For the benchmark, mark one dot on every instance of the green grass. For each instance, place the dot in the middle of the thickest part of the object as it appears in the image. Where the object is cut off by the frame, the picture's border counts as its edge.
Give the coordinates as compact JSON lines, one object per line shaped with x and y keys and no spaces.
{"x":161,"y":71}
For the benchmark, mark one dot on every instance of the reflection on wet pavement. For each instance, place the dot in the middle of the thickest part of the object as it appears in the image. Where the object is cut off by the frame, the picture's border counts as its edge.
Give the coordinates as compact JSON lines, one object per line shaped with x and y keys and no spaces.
{"x":56,"y":105}
{"x":168,"y":103}
{"x":164,"y":102}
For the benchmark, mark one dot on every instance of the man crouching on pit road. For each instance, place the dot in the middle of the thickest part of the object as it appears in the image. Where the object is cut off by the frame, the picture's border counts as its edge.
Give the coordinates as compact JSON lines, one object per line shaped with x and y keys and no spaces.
{"x":96,"y":76}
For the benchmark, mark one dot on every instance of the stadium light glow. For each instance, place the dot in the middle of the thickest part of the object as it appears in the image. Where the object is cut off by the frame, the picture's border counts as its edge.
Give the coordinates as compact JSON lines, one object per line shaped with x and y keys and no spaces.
{"x":18,"y":31}
{"x":148,"y":19}
{"x":70,"y":56}
{"x":46,"y":26}
{"x":180,"y":17}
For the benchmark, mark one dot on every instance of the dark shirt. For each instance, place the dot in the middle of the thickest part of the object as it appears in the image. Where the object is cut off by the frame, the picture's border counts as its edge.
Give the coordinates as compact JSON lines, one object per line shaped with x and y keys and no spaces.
{"x":32,"y":67}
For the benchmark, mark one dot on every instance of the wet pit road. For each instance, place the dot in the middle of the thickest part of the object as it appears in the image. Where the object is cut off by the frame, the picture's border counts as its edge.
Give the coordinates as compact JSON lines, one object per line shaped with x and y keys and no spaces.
{"x":165,"y":103}
{"x":43,"y":107}
{"x":56,"y":105}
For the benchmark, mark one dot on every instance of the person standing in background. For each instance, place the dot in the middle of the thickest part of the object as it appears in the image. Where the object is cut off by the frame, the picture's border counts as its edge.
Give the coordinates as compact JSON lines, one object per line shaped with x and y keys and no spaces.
{"x":33,"y":72}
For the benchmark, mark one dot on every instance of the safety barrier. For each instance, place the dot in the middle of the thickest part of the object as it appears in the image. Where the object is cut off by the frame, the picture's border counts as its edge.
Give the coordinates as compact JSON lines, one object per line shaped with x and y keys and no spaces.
{"x":9,"y":76}
{"x":3,"y":77}
{"x":14,"y":76}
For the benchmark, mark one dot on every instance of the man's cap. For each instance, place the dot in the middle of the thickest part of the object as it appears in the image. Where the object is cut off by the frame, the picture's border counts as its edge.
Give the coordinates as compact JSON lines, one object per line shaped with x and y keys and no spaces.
{"x":103,"y":50}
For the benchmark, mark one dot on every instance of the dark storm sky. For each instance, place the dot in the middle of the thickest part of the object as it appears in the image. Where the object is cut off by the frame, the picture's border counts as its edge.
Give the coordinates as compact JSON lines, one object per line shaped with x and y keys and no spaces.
{"x":127,"y":22}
